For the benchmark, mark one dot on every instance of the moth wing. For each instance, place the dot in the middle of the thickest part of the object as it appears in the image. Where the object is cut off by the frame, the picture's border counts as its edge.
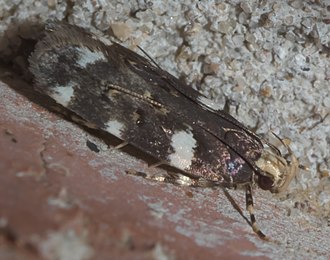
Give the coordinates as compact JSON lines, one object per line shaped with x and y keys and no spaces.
{"x":145,"y":69}
{"x":120,"y":92}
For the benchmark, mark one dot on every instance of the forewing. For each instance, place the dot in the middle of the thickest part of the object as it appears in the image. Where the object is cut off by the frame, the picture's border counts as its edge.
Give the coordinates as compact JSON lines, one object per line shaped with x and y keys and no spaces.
{"x":120,"y":92}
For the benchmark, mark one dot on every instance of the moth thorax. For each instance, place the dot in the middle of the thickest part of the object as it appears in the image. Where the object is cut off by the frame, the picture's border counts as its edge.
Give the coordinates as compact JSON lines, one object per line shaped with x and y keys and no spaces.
{"x":277,"y":172}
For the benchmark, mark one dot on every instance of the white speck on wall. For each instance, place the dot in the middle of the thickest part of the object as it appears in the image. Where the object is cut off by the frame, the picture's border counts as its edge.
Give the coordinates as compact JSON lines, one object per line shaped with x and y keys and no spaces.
{"x":66,"y":245}
{"x":89,"y":57}
{"x":183,"y":143}
{"x":115,"y":127}
{"x":63,"y":94}
{"x":209,"y":103}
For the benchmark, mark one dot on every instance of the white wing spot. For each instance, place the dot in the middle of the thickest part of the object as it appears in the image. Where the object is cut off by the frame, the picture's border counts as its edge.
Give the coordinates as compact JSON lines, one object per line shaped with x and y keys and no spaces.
{"x":63,"y":94}
{"x":89,"y":57}
{"x":209,"y":103}
{"x":115,"y":127}
{"x":183,"y":144}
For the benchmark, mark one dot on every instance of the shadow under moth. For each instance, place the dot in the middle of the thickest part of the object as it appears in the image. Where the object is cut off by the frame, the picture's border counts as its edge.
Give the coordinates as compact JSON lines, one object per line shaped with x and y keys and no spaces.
{"x":114,"y":89}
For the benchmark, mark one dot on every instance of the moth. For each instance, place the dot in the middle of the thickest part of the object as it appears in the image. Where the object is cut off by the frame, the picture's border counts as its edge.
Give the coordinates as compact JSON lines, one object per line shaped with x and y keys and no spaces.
{"x":114,"y":89}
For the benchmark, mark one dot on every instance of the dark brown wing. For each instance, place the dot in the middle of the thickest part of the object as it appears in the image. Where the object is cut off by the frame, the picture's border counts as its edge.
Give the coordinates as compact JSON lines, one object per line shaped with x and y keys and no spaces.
{"x":120,"y":92}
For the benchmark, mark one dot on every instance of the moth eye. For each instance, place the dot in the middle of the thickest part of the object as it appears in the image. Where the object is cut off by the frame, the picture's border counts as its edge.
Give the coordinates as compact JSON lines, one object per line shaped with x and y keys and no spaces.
{"x":265,"y":182}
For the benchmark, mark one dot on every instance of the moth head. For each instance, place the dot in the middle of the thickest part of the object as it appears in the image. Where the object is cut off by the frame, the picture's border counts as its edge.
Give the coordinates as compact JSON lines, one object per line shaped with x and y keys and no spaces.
{"x":276,"y":171}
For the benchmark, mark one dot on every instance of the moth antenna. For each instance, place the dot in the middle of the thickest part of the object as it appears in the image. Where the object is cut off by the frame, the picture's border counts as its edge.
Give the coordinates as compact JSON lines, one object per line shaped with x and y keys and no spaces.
{"x":151,"y":59}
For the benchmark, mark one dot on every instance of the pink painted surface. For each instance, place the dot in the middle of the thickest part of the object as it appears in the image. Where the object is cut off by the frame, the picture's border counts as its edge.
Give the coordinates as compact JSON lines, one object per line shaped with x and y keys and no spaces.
{"x":58,"y":199}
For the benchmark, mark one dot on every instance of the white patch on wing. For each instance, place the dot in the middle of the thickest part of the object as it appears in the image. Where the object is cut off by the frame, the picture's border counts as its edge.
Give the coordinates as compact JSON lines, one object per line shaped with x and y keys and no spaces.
{"x":89,"y":57}
{"x":63,"y":94}
{"x":115,"y":127}
{"x":183,"y":144}
{"x":209,"y":103}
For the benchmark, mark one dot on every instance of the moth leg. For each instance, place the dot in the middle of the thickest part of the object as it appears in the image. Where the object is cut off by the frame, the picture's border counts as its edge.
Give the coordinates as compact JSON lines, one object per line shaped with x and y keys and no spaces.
{"x":168,"y":178}
{"x":183,"y":180}
{"x":137,"y":173}
{"x":121,"y":145}
{"x":249,"y":207}
{"x":203,"y":183}
{"x":235,"y":205}
{"x":174,"y":178}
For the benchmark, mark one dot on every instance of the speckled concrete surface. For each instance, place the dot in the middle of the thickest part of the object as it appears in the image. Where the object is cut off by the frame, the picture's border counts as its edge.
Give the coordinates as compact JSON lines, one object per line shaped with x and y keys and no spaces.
{"x":270,"y":60}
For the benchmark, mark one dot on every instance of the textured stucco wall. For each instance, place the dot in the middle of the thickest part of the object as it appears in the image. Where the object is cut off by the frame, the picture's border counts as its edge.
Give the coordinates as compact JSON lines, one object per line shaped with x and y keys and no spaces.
{"x":269,"y":59}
